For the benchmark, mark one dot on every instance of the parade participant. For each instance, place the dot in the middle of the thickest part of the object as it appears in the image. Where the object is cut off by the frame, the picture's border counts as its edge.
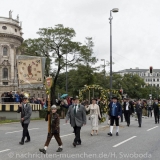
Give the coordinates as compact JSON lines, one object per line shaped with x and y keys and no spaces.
{"x":77,"y":115}
{"x":94,"y":116}
{"x":139,"y":112}
{"x":127,"y":111}
{"x":156,"y":111}
{"x":114,"y":113}
{"x":55,"y":130}
{"x":26,"y":112}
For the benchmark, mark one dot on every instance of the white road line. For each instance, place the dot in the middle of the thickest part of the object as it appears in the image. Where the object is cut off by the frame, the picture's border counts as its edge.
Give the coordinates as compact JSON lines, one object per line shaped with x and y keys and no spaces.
{"x":152,"y":128}
{"x":66,"y":123}
{"x":65,"y":135}
{"x":20,"y":130}
{"x":124,"y":141}
{"x":5,"y":150}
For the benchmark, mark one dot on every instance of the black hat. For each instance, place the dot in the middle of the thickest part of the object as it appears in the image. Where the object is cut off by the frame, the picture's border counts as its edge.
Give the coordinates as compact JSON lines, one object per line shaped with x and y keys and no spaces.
{"x":114,"y":97}
{"x":94,"y":99}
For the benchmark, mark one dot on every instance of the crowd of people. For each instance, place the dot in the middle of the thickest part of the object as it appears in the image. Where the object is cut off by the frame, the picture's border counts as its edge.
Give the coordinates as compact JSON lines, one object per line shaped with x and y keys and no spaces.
{"x":10,"y":97}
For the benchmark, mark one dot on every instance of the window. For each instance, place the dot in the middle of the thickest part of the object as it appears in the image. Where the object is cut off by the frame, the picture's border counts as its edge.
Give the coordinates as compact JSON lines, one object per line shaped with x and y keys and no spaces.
{"x":5,"y":50}
{"x":4,"y":27}
{"x":5,"y":73}
{"x":157,"y":85}
{"x":15,"y":30}
{"x":5,"y":83}
{"x":153,"y":80}
{"x":157,"y":80}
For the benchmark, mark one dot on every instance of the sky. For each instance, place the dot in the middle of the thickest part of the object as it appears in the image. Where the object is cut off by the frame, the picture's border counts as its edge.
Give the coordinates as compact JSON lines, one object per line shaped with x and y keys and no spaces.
{"x":135,"y":28}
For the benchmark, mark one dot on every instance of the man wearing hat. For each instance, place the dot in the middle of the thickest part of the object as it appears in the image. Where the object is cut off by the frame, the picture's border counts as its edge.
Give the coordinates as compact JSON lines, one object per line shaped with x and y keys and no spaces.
{"x":55,"y":130}
{"x":115,"y":111}
{"x":77,"y":115}
{"x":26,"y":112}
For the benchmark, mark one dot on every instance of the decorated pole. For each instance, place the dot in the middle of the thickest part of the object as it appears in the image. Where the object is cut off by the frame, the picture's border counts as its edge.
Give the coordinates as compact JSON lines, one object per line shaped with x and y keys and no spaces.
{"x":48,"y":85}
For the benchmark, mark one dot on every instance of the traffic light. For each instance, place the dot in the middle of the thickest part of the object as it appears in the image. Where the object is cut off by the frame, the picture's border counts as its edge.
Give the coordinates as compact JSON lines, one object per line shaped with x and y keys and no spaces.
{"x":150,"y":69}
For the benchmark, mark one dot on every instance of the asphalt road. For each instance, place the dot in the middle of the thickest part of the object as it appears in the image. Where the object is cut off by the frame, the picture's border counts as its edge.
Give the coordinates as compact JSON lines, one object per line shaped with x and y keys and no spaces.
{"x":132,"y":143}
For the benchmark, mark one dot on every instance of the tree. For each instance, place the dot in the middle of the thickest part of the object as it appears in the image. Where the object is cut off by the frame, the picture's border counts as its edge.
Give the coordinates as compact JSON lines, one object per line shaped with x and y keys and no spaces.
{"x":55,"y":43}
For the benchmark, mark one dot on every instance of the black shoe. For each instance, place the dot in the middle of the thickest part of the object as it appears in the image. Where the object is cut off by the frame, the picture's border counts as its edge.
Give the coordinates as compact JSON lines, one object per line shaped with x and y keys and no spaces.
{"x":91,"y":134}
{"x":42,"y":150}
{"x":128,"y":124}
{"x":59,"y":149}
{"x":117,"y":134}
{"x":22,"y":143}
{"x":110,"y":134}
{"x":78,"y":143}
{"x":139,"y":125}
{"x":27,"y":141}
{"x":74,"y":144}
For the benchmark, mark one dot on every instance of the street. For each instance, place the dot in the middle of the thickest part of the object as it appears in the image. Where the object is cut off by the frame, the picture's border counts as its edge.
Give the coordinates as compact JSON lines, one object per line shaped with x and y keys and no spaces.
{"x":132,"y":143}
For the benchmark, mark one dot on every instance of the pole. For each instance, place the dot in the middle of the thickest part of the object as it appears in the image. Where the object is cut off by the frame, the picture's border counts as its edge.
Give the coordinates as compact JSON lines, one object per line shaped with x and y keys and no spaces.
{"x":49,"y":117}
{"x":110,"y":53}
{"x":66,"y":77}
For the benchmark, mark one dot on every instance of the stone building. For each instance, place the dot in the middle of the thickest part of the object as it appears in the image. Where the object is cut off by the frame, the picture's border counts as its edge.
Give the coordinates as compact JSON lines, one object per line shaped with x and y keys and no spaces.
{"x":150,"y":79}
{"x":10,"y":39}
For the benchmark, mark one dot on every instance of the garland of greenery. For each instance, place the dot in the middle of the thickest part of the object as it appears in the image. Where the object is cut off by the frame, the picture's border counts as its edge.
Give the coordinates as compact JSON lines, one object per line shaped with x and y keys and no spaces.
{"x":104,"y":98}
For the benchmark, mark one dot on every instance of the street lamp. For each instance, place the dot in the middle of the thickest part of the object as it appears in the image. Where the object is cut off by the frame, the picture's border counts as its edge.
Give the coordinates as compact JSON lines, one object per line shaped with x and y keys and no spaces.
{"x":104,"y":67}
{"x":110,"y":18}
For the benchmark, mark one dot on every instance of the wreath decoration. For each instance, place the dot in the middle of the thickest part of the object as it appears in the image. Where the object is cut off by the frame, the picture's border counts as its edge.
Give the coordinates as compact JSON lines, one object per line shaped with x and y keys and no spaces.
{"x":104,"y":98}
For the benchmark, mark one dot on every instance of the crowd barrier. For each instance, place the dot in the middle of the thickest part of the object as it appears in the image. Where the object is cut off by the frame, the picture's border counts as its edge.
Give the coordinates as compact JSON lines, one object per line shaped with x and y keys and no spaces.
{"x":14,"y":107}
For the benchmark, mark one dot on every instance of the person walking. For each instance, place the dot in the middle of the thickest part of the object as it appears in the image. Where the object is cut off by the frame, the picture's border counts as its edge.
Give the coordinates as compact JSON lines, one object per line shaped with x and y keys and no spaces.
{"x":156,"y":111}
{"x":77,"y":115}
{"x":115,"y":111}
{"x":94,"y":116}
{"x":55,"y":130}
{"x":26,"y":112}
{"x":127,"y":111}
{"x":139,"y":112}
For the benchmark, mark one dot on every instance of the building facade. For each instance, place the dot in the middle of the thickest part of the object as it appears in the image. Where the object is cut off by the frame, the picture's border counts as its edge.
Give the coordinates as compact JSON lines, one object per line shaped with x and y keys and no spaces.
{"x":152,"y":79}
{"x":10,"y":39}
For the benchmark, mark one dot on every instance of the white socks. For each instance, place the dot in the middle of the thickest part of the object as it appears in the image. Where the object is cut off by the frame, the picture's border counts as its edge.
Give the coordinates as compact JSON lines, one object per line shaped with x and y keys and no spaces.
{"x":117,"y":128}
{"x":45,"y":147}
{"x":111,"y":129}
{"x":60,"y":147}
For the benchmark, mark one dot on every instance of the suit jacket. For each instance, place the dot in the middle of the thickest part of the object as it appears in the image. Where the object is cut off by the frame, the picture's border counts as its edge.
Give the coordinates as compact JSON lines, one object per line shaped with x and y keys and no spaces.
{"x":118,"y":109}
{"x":129,"y":107}
{"x":139,"y":108}
{"x":156,"y":108}
{"x":76,"y":119}
{"x":26,"y":113}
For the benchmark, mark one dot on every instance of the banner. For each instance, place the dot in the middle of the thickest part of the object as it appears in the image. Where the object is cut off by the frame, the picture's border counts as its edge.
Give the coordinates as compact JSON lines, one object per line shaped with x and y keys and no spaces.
{"x":30,"y":71}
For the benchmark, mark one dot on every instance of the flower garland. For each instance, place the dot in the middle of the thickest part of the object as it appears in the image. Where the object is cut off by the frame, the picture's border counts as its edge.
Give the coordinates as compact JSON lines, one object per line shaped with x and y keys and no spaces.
{"x":104,"y":98}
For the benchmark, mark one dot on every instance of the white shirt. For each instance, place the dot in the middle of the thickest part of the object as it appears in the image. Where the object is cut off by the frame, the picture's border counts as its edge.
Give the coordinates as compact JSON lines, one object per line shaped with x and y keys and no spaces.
{"x":127,"y":106}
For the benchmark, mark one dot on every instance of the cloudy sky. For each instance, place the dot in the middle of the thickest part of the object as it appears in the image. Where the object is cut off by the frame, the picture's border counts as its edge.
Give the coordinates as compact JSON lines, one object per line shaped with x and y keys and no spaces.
{"x":136,"y":27}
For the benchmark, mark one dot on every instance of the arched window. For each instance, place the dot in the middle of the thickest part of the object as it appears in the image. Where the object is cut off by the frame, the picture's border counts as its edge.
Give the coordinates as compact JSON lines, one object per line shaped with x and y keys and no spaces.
{"x":5,"y":73}
{"x":5,"y":50}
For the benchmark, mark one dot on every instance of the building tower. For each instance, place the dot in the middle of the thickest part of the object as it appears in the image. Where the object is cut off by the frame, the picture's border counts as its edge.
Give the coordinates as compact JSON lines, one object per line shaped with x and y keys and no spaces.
{"x":10,"y":40}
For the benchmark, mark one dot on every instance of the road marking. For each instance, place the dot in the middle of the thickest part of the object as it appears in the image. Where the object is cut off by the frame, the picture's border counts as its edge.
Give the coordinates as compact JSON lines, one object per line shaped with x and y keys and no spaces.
{"x":66,"y":123}
{"x":65,"y":135}
{"x":20,"y":130}
{"x":152,"y":128}
{"x":5,"y":150}
{"x":124,"y":141}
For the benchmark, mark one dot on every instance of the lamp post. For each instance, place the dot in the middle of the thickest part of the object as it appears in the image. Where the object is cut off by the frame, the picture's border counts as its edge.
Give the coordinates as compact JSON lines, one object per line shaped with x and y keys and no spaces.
{"x":110,"y":18}
{"x":104,"y":67}
{"x":66,"y":76}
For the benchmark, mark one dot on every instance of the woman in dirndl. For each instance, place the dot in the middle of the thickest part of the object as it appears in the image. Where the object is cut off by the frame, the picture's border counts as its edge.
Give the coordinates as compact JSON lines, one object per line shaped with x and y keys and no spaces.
{"x":94,"y":116}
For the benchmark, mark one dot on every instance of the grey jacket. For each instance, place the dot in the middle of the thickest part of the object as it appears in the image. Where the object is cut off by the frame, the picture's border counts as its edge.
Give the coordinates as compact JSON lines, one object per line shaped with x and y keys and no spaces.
{"x":26,"y":112}
{"x":76,"y":119}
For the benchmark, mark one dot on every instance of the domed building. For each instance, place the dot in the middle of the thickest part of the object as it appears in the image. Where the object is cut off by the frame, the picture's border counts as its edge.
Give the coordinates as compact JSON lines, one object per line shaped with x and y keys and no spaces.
{"x":10,"y":40}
